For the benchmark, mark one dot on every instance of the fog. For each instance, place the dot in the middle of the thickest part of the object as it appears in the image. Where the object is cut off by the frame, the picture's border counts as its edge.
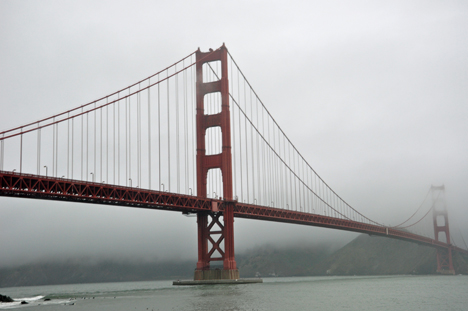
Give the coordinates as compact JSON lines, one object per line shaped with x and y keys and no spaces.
{"x":373,"y":93}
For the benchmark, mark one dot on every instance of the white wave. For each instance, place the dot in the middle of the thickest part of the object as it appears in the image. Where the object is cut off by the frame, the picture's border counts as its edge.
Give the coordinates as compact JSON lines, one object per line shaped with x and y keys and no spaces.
{"x":34,"y":301}
{"x":17,"y":302}
{"x":29,"y":299}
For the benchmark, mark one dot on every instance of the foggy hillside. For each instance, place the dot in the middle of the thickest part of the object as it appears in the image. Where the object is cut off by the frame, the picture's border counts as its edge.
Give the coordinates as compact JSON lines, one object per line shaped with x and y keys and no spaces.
{"x":365,"y":255}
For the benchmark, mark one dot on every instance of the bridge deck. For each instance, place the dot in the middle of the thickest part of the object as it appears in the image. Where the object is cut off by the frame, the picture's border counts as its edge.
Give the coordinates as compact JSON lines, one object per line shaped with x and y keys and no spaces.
{"x":15,"y":184}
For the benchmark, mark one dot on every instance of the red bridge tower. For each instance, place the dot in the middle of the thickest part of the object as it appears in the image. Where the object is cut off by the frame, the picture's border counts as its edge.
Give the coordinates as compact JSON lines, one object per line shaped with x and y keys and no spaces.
{"x":441,"y":225}
{"x":211,"y":232}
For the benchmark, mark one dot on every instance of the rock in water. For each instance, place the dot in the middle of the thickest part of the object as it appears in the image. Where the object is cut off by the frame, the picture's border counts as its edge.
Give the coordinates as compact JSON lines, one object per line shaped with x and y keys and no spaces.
{"x":5,"y":299}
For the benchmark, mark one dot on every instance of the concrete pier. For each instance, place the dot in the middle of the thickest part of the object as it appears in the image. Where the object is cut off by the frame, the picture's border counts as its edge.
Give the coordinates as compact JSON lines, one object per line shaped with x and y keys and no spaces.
{"x":217,"y":282}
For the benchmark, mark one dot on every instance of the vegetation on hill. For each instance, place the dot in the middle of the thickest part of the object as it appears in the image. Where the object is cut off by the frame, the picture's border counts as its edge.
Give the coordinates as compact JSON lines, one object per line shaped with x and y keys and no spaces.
{"x":84,"y":271}
{"x":365,"y":255}
{"x":372,"y":255}
{"x":268,"y":260}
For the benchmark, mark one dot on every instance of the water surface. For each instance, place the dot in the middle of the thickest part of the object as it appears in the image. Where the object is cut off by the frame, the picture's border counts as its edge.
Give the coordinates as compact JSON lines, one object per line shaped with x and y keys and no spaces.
{"x":298,"y":293}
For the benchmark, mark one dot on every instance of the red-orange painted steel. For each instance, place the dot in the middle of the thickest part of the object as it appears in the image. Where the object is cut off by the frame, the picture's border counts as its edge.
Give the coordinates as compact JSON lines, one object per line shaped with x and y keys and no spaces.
{"x":222,"y":161}
{"x":14,"y":184}
{"x":249,"y":211}
{"x":444,"y":256}
{"x":41,"y":187}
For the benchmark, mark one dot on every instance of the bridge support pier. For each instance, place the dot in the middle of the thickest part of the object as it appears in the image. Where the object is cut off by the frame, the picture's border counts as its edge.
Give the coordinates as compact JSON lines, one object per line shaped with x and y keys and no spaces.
{"x":444,"y":262}
{"x":211,"y":235}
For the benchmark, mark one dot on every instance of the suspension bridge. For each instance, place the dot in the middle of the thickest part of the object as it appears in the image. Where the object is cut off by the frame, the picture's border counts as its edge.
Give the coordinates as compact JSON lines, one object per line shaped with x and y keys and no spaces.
{"x":194,"y":138}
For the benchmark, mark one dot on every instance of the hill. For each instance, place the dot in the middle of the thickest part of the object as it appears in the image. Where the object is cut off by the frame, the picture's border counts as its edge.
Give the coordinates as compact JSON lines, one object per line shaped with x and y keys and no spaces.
{"x":83,"y":270}
{"x":365,"y":255}
{"x":268,"y":260}
{"x":372,"y":255}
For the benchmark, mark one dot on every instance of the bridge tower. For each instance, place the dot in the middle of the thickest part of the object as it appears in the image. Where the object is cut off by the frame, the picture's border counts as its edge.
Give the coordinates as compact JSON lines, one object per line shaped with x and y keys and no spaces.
{"x":211,"y":232}
{"x":441,"y":226}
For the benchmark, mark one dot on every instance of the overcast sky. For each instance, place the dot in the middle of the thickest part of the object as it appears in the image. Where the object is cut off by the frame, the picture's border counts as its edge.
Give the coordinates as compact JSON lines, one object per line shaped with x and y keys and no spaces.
{"x":373,"y":93}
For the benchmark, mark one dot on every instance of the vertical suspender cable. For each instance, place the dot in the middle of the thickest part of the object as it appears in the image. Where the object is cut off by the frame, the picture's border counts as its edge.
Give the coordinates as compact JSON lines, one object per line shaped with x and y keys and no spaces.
{"x":295,"y":181}
{"x":53,"y":148}
{"x":140,"y":122}
{"x":68,"y":146}
{"x":283,"y":192}
{"x":107,"y":142}
{"x":258,"y":153}
{"x":72,"y":146}
{"x":280,"y":171}
{"x":299,"y":185}
{"x":130,"y":138}
{"x":285,"y":173}
{"x":38,"y":157}
{"x":274,"y":192}
{"x":176,"y":77}
{"x":82,"y":124}
{"x":21,"y":151}
{"x":126,"y":140}
{"x":159,"y":134}
{"x":56,"y":150}
{"x":273,"y":163}
{"x":268,"y":166}
{"x":139,"y":136}
{"x":264,"y":174}
{"x":277,"y":166}
{"x":267,"y":163}
{"x":113,"y":139}
{"x":308,"y":191}
{"x":149,"y":135}
{"x":193,"y":73}
{"x":290,"y":176}
{"x":185,"y":128}
{"x":246,"y":143}
{"x":2,"y":152}
{"x":303,"y":186}
{"x":118,"y":139}
{"x":252,"y":148}
{"x":240,"y":140}
{"x":231,"y":89}
{"x":168,"y":136}
{"x":95,"y":143}
{"x":271,"y":168}
{"x":100,"y":145}
{"x":87,"y":146}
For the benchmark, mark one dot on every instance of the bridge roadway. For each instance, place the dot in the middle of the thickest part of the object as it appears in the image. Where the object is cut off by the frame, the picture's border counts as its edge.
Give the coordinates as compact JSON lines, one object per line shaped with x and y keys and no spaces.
{"x":15,"y":184}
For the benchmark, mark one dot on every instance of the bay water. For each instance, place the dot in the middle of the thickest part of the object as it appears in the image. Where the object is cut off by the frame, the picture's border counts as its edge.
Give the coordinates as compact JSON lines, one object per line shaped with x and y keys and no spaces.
{"x":296,"y":293}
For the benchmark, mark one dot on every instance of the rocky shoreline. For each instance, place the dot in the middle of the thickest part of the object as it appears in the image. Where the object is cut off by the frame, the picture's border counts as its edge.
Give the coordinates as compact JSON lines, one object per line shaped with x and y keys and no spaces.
{"x":5,"y":299}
